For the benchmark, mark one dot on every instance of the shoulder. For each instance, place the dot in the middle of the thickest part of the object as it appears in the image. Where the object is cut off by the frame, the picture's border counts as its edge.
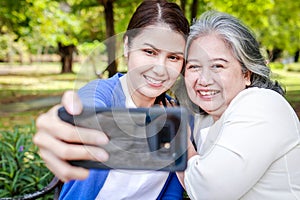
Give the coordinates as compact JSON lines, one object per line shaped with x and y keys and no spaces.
{"x":100,"y":92}
{"x":100,"y":85}
{"x":262,"y":106}
{"x":260,"y":100}
{"x":260,"y":93}
{"x":106,"y":83}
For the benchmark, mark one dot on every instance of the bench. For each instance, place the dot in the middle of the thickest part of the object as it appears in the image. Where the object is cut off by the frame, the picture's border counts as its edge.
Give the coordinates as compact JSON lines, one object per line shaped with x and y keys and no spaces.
{"x":55,"y":185}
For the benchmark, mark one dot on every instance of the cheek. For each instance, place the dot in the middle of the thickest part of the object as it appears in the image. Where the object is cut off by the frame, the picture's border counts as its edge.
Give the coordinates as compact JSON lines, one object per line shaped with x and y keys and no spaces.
{"x":190,"y":82}
{"x":136,"y":61}
{"x":232,"y":85}
{"x":190,"y":79}
{"x":192,"y":95}
{"x":174,"y":70}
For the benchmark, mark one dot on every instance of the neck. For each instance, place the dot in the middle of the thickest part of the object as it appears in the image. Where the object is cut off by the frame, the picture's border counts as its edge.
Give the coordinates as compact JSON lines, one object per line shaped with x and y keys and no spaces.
{"x":142,"y":101}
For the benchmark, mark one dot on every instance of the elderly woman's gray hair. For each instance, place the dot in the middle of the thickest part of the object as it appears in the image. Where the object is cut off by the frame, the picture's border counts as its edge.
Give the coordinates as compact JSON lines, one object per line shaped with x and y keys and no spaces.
{"x":241,"y":42}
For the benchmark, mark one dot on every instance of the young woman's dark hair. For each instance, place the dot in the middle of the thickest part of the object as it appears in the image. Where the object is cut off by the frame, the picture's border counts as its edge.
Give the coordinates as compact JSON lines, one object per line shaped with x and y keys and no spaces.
{"x":157,"y":11}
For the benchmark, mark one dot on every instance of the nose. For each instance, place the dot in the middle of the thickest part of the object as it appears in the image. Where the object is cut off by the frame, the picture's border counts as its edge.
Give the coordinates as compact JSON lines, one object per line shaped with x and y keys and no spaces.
{"x":204,"y":78}
{"x":159,"y":67}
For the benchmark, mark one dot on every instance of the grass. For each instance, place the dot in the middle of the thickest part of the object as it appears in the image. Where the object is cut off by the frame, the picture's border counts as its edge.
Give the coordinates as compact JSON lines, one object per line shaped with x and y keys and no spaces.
{"x":27,"y":82}
{"x":291,"y":81}
{"x":19,"y":82}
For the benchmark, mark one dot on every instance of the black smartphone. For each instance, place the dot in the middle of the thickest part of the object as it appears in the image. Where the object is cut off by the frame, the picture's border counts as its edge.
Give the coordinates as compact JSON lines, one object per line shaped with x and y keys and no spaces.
{"x":140,"y":138}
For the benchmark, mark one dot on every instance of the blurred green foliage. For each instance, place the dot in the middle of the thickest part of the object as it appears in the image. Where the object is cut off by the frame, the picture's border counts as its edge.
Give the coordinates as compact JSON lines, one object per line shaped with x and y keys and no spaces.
{"x":22,"y":170}
{"x":292,"y":67}
{"x":35,"y":26}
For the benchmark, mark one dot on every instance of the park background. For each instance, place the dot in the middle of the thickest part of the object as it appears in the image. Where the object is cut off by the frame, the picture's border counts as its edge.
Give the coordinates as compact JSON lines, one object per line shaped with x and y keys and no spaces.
{"x":49,"y":46}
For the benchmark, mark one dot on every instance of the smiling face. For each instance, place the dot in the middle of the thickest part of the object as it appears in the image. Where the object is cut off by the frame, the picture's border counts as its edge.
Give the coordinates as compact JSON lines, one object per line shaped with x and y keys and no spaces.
{"x":155,"y":59}
{"x":213,"y":76}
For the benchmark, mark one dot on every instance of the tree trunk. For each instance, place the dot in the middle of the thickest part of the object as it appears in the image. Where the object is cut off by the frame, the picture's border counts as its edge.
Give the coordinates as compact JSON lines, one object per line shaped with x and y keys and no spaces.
{"x":194,"y":10}
{"x":296,"y":57}
{"x":110,"y":34}
{"x":182,"y":5}
{"x":274,"y":54}
{"x":66,"y":53}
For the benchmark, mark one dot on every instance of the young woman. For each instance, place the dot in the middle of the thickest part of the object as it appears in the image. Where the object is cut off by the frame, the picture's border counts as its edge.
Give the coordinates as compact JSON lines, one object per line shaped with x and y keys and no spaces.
{"x":246,"y":133}
{"x":153,"y":46}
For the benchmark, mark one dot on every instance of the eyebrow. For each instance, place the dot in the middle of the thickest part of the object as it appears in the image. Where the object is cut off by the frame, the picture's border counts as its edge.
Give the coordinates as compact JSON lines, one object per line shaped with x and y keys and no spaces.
{"x":173,"y":52}
{"x":192,"y":60}
{"x":215,"y":59}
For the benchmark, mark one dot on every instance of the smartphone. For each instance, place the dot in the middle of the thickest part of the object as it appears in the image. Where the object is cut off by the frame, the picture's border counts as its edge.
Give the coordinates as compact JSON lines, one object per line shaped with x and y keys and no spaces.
{"x":140,"y":138}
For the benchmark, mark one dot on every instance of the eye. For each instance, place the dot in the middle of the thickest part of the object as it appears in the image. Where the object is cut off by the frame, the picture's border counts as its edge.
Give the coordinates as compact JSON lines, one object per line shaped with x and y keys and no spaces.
{"x":149,"y":52}
{"x":194,"y":67}
{"x":217,"y":67}
{"x":174,"y":58}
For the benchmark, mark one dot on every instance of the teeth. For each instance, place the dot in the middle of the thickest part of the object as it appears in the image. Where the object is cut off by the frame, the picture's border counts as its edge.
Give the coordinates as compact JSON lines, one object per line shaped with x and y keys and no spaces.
{"x":208,"y":93}
{"x":153,"y":80}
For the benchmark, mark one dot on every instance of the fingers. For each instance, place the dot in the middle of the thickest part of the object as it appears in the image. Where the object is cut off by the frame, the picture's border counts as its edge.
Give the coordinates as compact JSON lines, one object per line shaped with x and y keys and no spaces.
{"x":67,"y":132}
{"x":173,"y":102}
{"x":63,"y":170}
{"x":85,"y":136}
{"x":69,"y":151}
{"x":49,"y":152}
{"x":72,"y":103}
{"x":169,"y":103}
{"x":56,"y":154}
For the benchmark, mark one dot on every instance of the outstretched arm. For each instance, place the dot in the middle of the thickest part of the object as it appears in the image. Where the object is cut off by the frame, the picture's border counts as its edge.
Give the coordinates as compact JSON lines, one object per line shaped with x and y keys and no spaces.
{"x":60,"y":142}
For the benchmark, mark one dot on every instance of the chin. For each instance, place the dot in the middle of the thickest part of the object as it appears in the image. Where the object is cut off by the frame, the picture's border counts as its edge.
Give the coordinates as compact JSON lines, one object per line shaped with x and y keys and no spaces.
{"x":151,"y":94}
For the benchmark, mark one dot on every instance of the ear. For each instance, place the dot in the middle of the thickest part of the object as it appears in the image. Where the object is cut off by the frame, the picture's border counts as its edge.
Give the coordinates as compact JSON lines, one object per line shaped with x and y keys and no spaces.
{"x":126,"y":47}
{"x":247,"y":77}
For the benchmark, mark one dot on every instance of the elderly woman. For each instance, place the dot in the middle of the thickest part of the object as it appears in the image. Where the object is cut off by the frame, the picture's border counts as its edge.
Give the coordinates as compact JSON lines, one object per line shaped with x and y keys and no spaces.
{"x":246,"y":133}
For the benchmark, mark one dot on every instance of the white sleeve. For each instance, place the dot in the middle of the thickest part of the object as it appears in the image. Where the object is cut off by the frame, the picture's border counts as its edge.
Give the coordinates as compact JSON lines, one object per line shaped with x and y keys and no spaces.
{"x":258,"y":127}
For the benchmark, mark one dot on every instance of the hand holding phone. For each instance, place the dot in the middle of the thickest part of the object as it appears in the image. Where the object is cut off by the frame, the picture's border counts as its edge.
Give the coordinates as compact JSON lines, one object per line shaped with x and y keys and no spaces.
{"x":140,"y":138}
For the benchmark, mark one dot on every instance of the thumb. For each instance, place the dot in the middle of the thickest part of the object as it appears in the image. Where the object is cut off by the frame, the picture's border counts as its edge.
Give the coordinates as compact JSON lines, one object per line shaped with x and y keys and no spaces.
{"x":71,"y":102}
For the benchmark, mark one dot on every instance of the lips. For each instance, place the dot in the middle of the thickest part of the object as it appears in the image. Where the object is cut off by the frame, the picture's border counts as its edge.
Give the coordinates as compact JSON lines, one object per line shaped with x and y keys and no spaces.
{"x":208,"y":93}
{"x":153,"y":81}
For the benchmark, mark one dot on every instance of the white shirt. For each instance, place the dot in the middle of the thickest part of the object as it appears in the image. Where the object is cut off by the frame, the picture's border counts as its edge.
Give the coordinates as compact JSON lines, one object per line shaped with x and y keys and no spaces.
{"x":131,"y":184}
{"x":251,"y":152}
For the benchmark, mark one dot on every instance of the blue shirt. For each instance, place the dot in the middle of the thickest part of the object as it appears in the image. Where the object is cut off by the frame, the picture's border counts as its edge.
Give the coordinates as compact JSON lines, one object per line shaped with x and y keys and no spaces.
{"x":108,"y":93}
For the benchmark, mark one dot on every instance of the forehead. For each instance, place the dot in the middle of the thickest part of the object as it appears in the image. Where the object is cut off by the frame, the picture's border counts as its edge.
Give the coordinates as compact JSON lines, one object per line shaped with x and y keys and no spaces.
{"x":209,"y":46}
{"x":161,"y":37}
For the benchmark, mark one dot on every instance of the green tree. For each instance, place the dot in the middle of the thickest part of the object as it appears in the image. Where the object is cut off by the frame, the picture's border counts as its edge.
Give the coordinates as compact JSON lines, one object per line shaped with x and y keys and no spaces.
{"x":13,"y":25}
{"x":276,"y":23}
{"x":35,"y":25}
{"x":109,"y":14}
{"x":282,"y":32}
